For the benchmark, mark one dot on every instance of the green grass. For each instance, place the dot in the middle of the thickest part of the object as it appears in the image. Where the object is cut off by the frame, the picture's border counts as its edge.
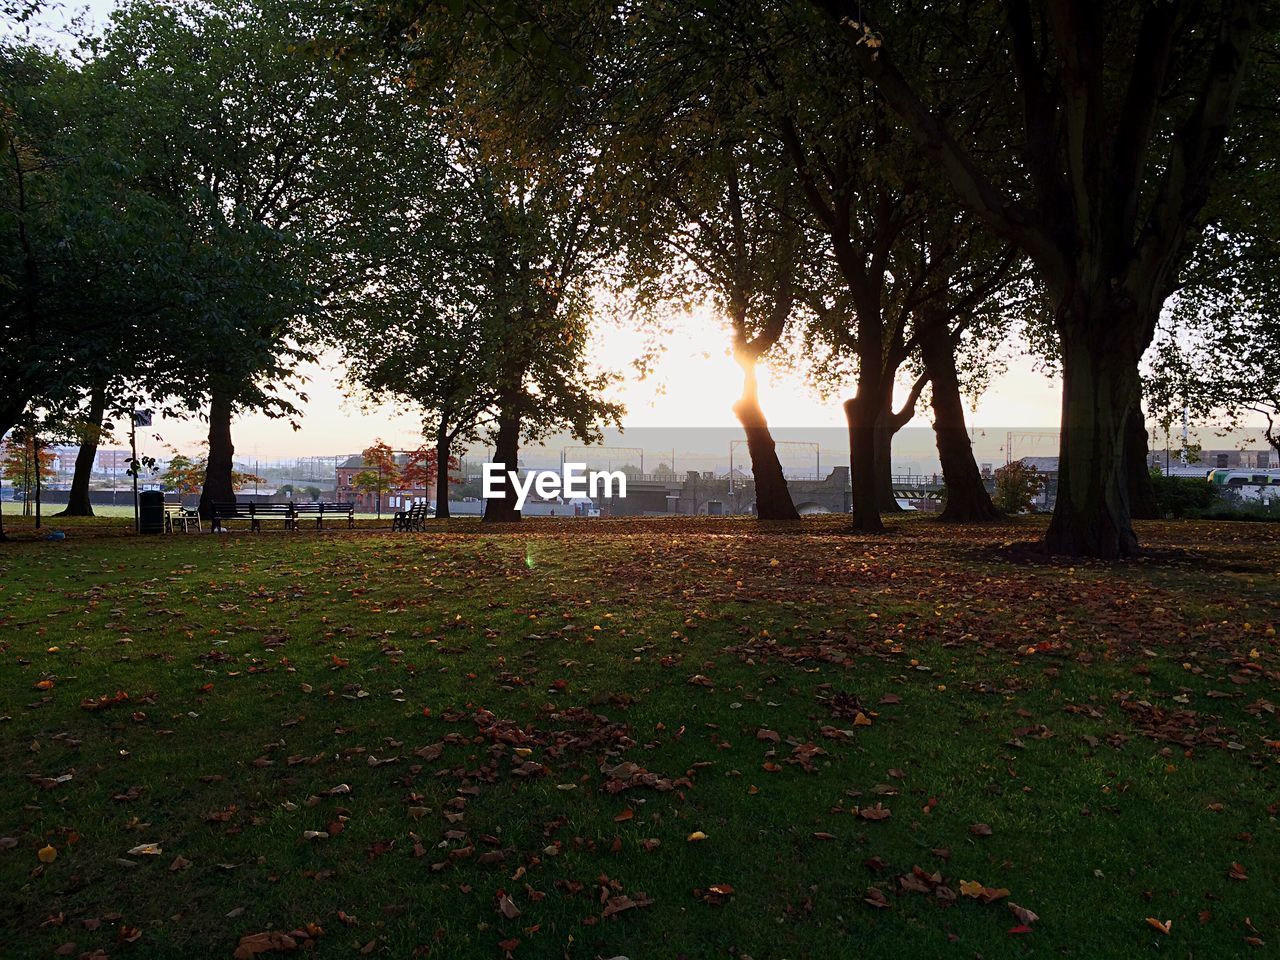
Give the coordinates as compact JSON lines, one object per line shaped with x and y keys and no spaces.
{"x":263,"y":671}
{"x":118,"y":511}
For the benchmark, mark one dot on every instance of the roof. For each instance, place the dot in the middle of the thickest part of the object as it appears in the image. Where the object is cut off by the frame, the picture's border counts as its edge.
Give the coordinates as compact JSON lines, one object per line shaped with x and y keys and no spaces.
{"x":1041,"y":464}
{"x":357,"y":462}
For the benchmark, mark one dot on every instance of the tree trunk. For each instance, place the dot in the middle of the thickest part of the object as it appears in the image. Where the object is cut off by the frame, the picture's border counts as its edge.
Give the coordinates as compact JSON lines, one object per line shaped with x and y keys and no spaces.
{"x":218,"y":485}
{"x":506,"y":451}
{"x":967,"y":497}
{"x":10,"y":413}
{"x":11,"y":410}
{"x":884,"y":431}
{"x":860,"y":413}
{"x":78,"y":504}
{"x":1142,"y":493}
{"x":442,"y":474}
{"x":773,"y":499}
{"x":1100,"y":386}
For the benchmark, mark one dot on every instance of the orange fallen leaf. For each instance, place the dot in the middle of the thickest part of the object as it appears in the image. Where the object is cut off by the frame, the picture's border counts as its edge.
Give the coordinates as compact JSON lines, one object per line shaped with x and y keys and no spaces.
{"x":1162,"y":927}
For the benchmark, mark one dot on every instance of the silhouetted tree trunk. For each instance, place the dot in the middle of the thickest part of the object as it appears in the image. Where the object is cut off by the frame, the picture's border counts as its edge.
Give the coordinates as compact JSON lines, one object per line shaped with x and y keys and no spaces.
{"x":967,"y":497}
{"x":218,"y":485}
{"x":78,"y":504}
{"x":442,"y":472}
{"x":773,"y":498}
{"x":861,"y":412}
{"x":506,"y":451}
{"x":884,"y":432}
{"x":1142,"y":492}
{"x":1100,"y":387}
{"x":888,"y":423}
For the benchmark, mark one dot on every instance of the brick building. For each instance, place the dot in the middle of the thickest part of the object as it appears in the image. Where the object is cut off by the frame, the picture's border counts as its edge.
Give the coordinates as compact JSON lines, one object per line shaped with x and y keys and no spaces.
{"x":366,"y":501}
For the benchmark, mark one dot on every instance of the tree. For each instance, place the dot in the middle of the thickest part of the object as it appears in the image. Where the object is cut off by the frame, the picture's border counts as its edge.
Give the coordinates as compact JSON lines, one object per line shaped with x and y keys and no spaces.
{"x":282,"y":161}
{"x":709,"y":209}
{"x":90,"y":431}
{"x":381,"y":474}
{"x":421,"y":331}
{"x":186,"y":475}
{"x":422,"y":469}
{"x":26,"y":463}
{"x":1016,"y":487}
{"x":717,"y":227}
{"x":955,"y":329}
{"x":1220,"y":357}
{"x":86,"y":254}
{"x":1217,"y":350}
{"x":1118,"y":114}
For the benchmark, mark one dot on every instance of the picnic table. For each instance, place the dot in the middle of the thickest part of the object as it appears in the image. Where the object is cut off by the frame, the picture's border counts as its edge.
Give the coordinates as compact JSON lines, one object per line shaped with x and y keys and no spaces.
{"x":176,"y":515}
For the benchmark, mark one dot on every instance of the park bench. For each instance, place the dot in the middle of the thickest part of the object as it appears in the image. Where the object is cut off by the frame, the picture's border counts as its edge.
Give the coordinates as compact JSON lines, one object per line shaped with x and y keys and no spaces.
{"x":322,"y":510}
{"x":176,"y":515}
{"x":255,"y":513}
{"x":414,"y":519}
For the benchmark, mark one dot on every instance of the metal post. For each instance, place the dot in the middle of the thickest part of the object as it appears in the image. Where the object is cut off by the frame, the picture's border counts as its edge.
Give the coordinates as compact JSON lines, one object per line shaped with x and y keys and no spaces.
{"x":133,"y":467}
{"x":35,"y":447}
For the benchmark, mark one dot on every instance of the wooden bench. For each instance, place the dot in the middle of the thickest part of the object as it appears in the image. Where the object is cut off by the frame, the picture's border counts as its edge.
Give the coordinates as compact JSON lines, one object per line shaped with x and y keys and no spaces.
{"x":255,"y":513}
{"x":414,"y":519}
{"x":322,"y":510}
{"x":176,"y":515}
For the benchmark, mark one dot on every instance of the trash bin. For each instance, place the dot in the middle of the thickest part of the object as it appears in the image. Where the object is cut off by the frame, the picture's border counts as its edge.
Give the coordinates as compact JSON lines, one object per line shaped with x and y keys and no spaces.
{"x":151,"y":511}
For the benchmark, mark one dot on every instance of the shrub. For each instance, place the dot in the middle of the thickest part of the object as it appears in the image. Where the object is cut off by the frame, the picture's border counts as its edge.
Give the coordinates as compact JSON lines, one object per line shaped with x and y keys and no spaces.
{"x":1016,"y":487}
{"x":1178,"y":497}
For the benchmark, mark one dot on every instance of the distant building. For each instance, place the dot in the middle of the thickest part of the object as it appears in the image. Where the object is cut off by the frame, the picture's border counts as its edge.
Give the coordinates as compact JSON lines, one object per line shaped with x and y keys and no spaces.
{"x":1047,"y":469}
{"x":113,"y":461}
{"x":366,"y":501}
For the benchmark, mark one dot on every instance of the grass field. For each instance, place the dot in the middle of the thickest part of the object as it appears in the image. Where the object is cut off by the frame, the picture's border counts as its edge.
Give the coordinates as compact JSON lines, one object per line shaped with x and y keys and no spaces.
{"x":646,"y":739}
{"x":120,"y":511}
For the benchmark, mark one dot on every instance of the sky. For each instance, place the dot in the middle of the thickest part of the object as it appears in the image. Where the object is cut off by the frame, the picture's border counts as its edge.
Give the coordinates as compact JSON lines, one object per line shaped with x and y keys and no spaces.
{"x":694,"y":383}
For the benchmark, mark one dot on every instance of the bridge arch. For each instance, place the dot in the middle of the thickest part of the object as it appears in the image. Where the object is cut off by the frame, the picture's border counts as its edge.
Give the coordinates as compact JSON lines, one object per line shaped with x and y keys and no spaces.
{"x":810,"y":508}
